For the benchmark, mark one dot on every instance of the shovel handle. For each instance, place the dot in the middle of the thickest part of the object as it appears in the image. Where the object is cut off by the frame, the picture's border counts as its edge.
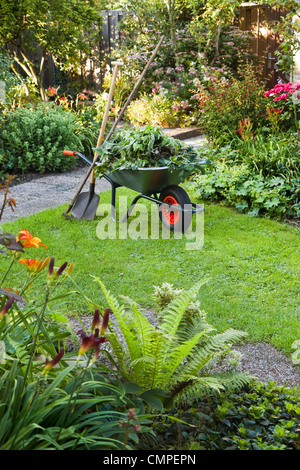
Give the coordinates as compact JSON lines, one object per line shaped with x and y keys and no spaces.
{"x":115,"y":124}
{"x":117,"y":65}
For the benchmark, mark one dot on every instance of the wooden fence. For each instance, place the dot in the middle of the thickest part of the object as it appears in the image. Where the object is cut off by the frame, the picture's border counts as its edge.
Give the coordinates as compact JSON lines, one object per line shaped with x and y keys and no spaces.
{"x":253,"y":17}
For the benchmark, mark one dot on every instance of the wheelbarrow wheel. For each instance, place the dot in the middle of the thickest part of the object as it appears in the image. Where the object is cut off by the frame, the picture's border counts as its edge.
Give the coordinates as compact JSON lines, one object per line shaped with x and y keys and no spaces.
{"x":171,"y":218}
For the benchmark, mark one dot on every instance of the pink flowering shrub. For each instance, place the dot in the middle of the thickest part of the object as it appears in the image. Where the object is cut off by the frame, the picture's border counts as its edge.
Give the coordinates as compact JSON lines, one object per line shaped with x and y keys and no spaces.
{"x":282,"y":91}
{"x":284,"y":99}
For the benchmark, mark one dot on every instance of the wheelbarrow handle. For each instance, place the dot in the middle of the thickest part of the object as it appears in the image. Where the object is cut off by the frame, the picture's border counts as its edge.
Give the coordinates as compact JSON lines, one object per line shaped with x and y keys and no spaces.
{"x":77,"y":154}
{"x":70,"y":152}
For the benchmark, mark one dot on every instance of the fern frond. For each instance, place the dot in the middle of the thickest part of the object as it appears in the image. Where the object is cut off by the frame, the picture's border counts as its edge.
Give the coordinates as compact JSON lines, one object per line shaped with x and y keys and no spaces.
{"x":143,"y":328}
{"x":194,"y":388}
{"x":159,"y":344}
{"x":173,"y":313}
{"x":234,"y":380}
{"x":124,"y":322}
{"x":192,"y":327}
{"x":119,"y":352}
{"x":213,"y":346}
{"x":182,"y":353}
{"x":21,"y":353}
{"x":230,"y":381}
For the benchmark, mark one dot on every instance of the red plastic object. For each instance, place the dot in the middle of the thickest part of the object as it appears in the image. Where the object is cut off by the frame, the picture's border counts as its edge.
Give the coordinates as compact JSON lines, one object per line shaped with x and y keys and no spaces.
{"x":69,"y":152}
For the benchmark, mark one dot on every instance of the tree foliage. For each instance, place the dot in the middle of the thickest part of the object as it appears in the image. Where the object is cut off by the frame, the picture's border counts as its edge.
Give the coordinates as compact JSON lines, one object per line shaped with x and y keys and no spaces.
{"x":56,"y":27}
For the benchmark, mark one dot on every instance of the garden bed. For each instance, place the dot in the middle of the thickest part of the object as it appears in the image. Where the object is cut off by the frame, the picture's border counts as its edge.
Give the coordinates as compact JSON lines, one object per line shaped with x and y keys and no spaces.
{"x":261,"y":360}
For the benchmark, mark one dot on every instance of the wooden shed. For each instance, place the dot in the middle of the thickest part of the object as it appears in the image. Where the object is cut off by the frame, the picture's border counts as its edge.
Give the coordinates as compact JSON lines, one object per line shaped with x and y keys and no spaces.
{"x":259,"y":20}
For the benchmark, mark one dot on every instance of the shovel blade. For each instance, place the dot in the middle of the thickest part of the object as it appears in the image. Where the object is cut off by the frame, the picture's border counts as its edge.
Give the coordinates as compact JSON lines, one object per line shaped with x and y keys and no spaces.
{"x":85,"y":207}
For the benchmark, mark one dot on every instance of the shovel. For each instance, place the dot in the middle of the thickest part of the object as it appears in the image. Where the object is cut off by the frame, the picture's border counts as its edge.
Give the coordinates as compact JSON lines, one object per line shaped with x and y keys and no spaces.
{"x":87,"y":203}
{"x":76,"y":197}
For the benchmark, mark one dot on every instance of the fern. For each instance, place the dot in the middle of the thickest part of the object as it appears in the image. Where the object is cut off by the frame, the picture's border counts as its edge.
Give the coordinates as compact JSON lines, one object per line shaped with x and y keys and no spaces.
{"x":173,"y":313}
{"x":176,"y":354}
{"x":212,"y":348}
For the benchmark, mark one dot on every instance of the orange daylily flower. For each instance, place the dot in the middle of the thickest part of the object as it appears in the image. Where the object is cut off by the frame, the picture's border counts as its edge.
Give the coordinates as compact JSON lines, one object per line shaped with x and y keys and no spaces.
{"x":28,"y":241}
{"x":33,"y":264}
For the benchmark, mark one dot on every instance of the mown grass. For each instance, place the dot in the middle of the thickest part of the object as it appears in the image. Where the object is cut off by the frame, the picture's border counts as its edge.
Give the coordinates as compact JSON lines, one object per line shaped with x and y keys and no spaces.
{"x":253,"y":266}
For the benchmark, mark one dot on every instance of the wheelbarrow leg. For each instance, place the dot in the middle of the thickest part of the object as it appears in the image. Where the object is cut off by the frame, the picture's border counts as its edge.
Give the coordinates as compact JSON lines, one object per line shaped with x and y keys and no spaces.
{"x":113,"y":200}
{"x":132,"y":206}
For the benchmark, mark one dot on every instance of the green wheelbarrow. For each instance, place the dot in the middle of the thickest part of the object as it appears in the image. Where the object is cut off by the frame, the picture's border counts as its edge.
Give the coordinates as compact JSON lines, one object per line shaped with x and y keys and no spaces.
{"x":157,"y":184}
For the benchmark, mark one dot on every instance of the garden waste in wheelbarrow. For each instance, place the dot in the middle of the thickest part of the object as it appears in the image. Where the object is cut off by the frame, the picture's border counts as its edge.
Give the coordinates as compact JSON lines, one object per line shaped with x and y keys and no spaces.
{"x":159,"y":185}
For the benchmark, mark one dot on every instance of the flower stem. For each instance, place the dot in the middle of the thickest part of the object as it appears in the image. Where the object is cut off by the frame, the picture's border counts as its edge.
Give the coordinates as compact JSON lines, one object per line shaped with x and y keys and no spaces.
{"x":8,"y":269}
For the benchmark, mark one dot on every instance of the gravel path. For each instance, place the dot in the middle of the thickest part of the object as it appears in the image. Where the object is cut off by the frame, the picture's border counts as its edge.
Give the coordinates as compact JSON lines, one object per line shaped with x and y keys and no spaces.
{"x":261,"y":360}
{"x":48,"y":191}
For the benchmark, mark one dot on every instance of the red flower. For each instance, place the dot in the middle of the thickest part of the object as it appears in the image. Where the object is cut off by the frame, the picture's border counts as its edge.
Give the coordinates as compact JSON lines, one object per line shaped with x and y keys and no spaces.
{"x":55,"y":274}
{"x":90,"y":342}
{"x":6,"y":307}
{"x":105,"y":321}
{"x":96,"y":320}
{"x":50,"y":364}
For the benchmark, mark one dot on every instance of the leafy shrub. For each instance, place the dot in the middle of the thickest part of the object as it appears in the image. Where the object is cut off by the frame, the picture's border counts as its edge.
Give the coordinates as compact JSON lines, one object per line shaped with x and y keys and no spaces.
{"x":237,"y":186}
{"x":87,"y":129}
{"x":169,"y":66}
{"x":268,"y":155}
{"x":166,"y":293}
{"x":284,"y":99}
{"x":261,"y":417}
{"x":33,"y":139}
{"x":160,"y":110}
{"x":223,"y":103}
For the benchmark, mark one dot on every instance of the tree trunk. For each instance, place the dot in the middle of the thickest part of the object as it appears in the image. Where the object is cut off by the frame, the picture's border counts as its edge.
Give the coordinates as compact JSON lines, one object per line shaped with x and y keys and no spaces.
{"x":170,"y":4}
{"x":27,"y":66}
{"x":216,"y":43}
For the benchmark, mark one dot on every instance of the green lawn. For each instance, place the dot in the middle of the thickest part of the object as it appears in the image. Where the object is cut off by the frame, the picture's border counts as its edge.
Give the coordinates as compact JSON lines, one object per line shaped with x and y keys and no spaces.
{"x":253,"y":266}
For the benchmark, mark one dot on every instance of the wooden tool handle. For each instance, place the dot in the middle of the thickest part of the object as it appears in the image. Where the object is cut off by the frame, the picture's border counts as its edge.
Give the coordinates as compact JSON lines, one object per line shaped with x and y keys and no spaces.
{"x":116,"y":122}
{"x":117,"y":65}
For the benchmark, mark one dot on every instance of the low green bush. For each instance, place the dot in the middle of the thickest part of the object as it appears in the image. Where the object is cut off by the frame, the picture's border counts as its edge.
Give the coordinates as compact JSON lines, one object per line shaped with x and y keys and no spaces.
{"x":269,"y":154}
{"x":255,"y":194}
{"x":257,"y":173}
{"x":33,"y":139}
{"x":262,"y":417}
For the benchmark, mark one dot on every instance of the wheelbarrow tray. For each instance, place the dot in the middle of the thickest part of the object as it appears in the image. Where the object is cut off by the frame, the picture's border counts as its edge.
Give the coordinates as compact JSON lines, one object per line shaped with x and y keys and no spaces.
{"x":146,"y":180}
